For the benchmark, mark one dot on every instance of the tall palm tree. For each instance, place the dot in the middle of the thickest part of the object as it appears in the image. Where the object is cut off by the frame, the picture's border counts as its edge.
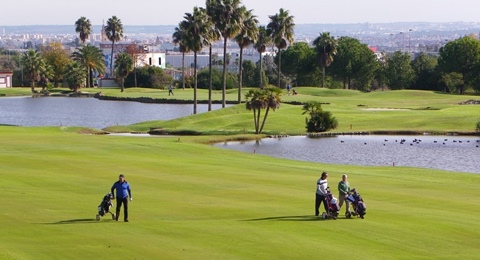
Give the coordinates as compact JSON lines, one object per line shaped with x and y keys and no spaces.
{"x":123,"y":66}
{"x":179,"y":37}
{"x":84,"y":28}
{"x":226,"y":15}
{"x":114,"y":32}
{"x":281,"y":29}
{"x":326,"y":47}
{"x":263,"y":40}
{"x":248,"y":34}
{"x":92,"y":59}
{"x":213,"y":36}
{"x":33,"y":65}
{"x":196,"y":35}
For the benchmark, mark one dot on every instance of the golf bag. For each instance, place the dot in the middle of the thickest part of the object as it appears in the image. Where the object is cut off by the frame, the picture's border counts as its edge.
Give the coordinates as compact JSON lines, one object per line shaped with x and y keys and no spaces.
{"x":332,"y":205}
{"x":105,"y":206}
{"x":358,"y":205}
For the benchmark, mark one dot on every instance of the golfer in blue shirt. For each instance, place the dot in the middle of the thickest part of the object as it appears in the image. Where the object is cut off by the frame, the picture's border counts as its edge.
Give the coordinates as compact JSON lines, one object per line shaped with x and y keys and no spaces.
{"x":123,"y":191}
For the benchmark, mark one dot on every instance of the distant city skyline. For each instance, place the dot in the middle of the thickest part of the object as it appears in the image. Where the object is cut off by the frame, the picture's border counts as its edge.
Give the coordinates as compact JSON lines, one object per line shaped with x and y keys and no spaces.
{"x":155,"y":12}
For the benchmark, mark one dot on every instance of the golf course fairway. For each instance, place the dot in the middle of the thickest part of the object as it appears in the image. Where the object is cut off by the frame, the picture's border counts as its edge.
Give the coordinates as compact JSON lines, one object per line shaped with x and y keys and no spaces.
{"x":195,"y":201}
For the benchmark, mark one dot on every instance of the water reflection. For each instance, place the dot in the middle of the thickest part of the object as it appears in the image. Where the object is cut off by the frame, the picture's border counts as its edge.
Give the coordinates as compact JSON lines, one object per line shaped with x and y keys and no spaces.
{"x":451,"y":153}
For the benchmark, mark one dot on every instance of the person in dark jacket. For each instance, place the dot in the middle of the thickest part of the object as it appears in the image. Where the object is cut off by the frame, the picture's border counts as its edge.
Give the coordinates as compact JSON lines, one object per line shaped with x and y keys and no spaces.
{"x":123,"y":191}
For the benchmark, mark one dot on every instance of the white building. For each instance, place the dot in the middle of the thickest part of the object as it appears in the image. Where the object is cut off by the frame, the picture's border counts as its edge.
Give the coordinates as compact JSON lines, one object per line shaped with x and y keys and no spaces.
{"x":6,"y":79}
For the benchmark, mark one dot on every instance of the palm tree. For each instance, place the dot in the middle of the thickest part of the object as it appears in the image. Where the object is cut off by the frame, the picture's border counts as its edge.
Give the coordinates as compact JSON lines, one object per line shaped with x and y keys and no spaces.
{"x":261,"y":46}
{"x":213,"y":36}
{"x":248,"y":34}
{"x":114,"y":32}
{"x":179,"y":37}
{"x":123,"y":66}
{"x":258,"y":99}
{"x":84,"y":28}
{"x":326,"y":47}
{"x":33,"y":65}
{"x":92,"y":59}
{"x":196,"y":38}
{"x":281,"y":29}
{"x":74,"y":76}
{"x":226,"y":15}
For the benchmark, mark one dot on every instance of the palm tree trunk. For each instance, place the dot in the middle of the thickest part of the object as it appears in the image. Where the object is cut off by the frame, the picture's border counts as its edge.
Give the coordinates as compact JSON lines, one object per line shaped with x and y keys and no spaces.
{"x":195,"y":83}
{"x":123,"y":84}
{"x":240,"y":77}
{"x":279,"y":66}
{"x":224,"y":89}
{"x":264,"y":119}
{"x":210,"y":79}
{"x":255,"y":120}
{"x":260,"y":72}
{"x":323,"y":76}
{"x":257,"y":129}
{"x":183,"y":70}
{"x":87,"y":81}
{"x":111,"y":61}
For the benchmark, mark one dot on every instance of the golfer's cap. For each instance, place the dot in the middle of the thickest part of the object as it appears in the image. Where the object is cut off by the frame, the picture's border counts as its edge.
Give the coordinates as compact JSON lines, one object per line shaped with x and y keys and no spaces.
{"x":121,"y":176}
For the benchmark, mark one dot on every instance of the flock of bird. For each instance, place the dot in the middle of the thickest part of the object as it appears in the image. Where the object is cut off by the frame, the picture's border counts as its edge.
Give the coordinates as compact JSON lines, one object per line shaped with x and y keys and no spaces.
{"x":418,"y":141}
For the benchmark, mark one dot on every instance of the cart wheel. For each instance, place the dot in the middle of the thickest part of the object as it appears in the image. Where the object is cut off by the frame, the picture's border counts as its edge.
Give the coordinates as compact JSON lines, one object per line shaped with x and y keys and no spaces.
{"x":324,"y":215}
{"x":97,"y":217}
{"x":348,"y":215}
{"x":113,"y":216}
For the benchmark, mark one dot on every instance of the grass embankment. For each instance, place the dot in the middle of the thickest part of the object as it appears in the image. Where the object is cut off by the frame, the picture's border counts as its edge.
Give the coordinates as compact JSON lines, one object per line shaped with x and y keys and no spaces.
{"x":193,"y":201}
{"x":389,"y":111}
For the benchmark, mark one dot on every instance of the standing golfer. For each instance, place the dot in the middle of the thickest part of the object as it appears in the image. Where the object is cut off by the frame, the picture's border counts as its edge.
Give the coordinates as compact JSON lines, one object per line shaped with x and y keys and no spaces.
{"x":343,"y":190}
{"x":320,"y":193}
{"x":123,"y":192}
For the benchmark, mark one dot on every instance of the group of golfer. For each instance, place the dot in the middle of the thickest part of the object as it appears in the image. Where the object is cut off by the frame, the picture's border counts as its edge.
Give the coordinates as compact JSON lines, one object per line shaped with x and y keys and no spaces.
{"x":321,"y":192}
{"x":123,"y":193}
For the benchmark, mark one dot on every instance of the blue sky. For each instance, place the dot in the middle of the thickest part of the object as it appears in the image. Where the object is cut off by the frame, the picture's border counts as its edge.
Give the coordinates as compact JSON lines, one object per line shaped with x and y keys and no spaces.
{"x":163,"y":12}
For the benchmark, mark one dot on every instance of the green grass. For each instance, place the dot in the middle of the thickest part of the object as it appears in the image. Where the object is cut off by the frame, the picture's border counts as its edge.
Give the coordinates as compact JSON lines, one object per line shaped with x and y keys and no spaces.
{"x":408,"y":110}
{"x":193,"y":201}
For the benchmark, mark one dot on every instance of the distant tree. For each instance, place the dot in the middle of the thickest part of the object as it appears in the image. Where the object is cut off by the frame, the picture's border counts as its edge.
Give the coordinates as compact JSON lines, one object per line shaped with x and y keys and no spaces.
{"x":299,"y":63}
{"x":281,"y":30}
{"x":326,"y":47}
{"x":114,"y":32}
{"x":203,"y":79}
{"x":57,"y":58}
{"x":149,"y":77}
{"x":355,"y":64}
{"x":227,"y":17}
{"x":180,"y":39}
{"x":263,"y":40}
{"x":319,"y":121}
{"x":452,"y":82}
{"x":426,"y":75}
{"x":33,"y":66}
{"x":84,"y":28}
{"x":259,"y":99}
{"x":196,"y":35}
{"x":398,"y":71}
{"x":92,"y":59}
{"x":461,"y":56}
{"x":75,"y":76}
{"x":137,"y":54}
{"x":249,"y":73}
{"x":123,"y":66}
{"x":248,"y":35}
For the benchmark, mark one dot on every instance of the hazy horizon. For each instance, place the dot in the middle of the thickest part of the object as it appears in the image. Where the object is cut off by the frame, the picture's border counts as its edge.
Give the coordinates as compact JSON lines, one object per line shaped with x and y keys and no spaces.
{"x":154,"y":12}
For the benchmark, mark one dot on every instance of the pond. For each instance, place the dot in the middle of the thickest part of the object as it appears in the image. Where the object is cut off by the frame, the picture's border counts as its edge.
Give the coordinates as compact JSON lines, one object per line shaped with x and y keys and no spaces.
{"x":88,"y":112}
{"x":452,"y":153}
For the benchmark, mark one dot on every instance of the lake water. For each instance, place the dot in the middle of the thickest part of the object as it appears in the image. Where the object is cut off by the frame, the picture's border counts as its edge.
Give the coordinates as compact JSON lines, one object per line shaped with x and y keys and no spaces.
{"x":89,"y":112}
{"x":452,"y":153}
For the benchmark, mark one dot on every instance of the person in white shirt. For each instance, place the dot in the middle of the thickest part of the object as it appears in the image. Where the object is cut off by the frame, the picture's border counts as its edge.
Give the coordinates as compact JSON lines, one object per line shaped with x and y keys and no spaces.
{"x":320,"y":193}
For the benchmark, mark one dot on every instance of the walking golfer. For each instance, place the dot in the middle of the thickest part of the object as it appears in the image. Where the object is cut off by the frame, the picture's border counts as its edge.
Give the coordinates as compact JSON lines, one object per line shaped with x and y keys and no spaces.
{"x":123,"y":191}
{"x":320,"y":193}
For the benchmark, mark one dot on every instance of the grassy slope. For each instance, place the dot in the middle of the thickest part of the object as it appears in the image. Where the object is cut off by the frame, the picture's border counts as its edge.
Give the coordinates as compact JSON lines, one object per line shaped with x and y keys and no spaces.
{"x":197,"y":201}
{"x":410,"y":110}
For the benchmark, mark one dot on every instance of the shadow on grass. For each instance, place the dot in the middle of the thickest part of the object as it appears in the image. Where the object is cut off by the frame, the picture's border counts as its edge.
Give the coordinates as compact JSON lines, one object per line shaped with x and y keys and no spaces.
{"x":288,"y":218}
{"x":76,"y":221}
